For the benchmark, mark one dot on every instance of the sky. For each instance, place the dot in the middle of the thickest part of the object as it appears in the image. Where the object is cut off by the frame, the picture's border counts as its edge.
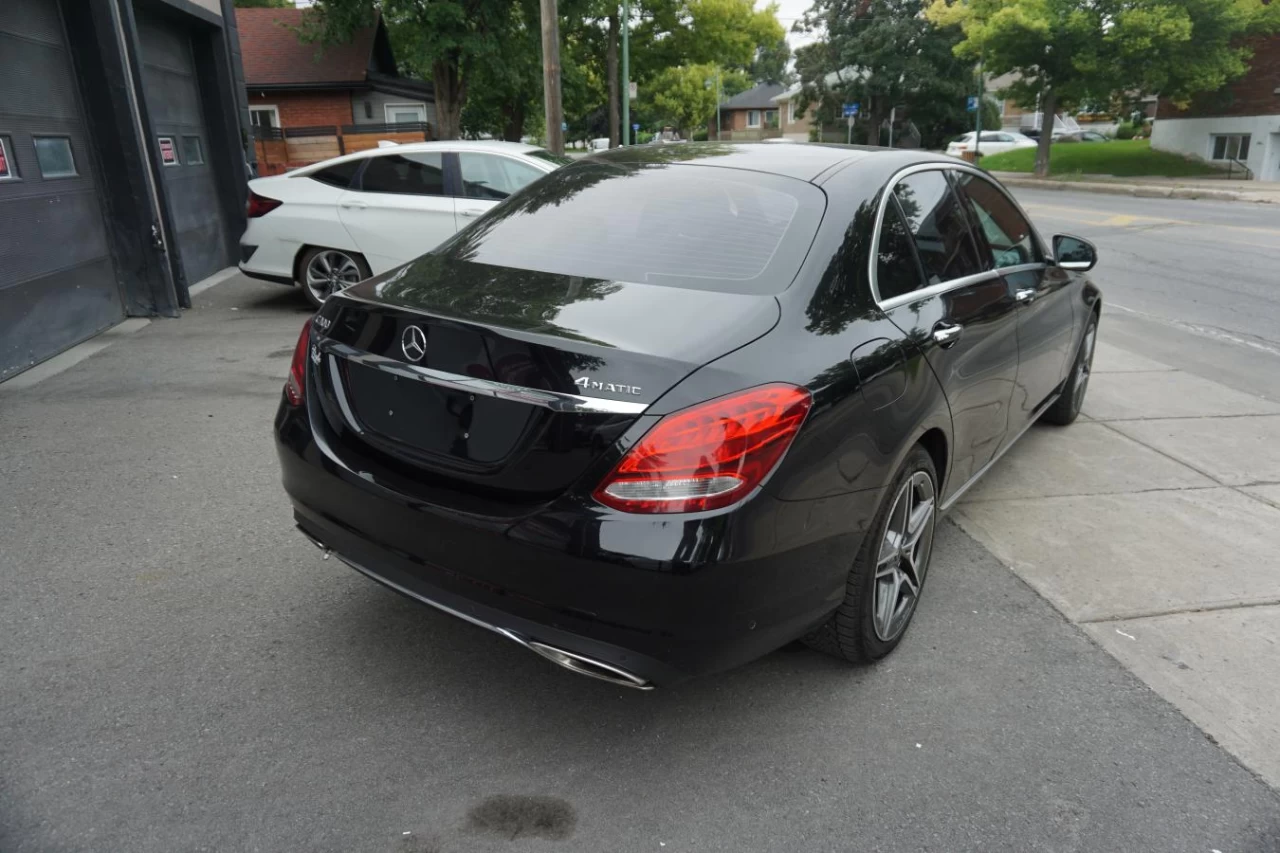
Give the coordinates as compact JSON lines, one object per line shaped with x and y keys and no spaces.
{"x":789,"y":11}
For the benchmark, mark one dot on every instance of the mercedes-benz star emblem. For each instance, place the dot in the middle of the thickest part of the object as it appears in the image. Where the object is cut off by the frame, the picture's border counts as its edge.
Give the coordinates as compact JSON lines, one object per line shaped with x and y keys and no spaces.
{"x":414,"y":343}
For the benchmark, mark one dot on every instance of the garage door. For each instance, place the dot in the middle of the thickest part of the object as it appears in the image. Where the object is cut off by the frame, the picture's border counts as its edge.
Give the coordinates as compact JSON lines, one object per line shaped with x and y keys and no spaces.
{"x":177,"y":116}
{"x":57,"y":284}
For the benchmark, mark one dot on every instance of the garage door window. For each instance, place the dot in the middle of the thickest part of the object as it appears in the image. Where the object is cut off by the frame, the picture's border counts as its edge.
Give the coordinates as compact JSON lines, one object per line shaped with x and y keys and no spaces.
{"x":8,"y":168}
{"x":53,"y":154}
{"x":192,"y":151}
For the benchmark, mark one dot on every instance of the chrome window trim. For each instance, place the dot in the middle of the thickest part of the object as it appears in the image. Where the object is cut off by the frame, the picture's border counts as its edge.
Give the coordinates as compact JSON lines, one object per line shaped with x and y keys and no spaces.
{"x":556,"y":401}
{"x":952,"y":284}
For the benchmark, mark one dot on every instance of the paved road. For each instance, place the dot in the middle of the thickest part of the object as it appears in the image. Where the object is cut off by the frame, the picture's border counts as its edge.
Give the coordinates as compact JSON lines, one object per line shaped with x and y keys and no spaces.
{"x":181,"y":672}
{"x":1195,"y":284}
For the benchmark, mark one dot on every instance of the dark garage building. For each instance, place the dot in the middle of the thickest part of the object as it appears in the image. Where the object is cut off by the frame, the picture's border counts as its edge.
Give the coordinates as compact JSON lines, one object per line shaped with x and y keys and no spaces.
{"x":122,"y":164}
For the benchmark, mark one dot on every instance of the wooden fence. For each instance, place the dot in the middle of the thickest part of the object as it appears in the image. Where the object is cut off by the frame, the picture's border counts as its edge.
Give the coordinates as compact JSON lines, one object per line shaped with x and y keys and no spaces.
{"x":281,"y":150}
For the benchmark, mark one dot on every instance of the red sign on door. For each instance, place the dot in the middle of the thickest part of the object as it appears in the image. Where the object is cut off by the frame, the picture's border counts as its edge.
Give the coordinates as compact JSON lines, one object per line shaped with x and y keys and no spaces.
{"x":168,"y":151}
{"x":4,"y":162}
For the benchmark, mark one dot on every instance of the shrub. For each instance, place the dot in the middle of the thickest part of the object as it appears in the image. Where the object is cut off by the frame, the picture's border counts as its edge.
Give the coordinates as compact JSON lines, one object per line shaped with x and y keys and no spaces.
{"x":1125,"y":130}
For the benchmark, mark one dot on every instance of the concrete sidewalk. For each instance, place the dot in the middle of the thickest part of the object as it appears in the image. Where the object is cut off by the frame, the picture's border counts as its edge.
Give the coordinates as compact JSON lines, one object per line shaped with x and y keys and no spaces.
{"x":1214,"y":189}
{"x":1154,"y":524}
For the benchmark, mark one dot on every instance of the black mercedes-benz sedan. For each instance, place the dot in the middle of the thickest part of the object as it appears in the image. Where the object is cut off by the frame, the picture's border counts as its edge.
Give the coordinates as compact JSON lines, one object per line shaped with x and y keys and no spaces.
{"x":668,"y":409}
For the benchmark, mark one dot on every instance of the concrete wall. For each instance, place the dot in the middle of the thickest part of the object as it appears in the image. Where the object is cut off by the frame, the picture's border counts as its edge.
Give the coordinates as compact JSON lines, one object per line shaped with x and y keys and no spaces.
{"x":1194,"y":137}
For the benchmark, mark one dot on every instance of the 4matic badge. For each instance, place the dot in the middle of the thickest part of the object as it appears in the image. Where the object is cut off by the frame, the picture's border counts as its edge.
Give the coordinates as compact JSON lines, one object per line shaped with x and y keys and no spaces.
{"x":586,"y":383}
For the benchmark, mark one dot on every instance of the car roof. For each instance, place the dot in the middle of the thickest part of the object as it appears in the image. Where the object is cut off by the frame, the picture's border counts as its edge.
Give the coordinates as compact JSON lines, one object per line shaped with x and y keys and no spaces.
{"x":497,"y":146}
{"x":807,"y":161}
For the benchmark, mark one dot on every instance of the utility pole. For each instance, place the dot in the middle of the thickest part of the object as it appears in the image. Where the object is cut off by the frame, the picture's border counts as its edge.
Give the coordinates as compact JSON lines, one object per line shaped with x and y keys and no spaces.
{"x":551,"y":76}
{"x":626,"y":72}
{"x":977,"y":137}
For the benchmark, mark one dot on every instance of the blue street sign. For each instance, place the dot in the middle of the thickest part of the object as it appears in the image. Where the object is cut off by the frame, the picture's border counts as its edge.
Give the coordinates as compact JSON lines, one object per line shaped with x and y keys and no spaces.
{"x":851,"y":109}
{"x":636,"y":128}
{"x":564,"y":125}
{"x":971,"y":104}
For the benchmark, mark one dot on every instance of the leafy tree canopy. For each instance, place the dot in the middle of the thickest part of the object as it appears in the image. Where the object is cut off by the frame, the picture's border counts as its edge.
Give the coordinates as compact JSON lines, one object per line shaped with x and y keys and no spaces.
{"x":1067,"y":52}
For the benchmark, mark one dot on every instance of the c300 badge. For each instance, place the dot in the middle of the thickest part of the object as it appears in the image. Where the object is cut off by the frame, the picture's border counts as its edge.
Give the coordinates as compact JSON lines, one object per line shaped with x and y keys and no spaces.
{"x":586,"y":383}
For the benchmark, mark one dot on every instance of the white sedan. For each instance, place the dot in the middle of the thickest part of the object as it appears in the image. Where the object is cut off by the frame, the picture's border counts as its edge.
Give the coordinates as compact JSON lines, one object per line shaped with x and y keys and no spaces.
{"x":329,"y":225}
{"x":993,"y":142}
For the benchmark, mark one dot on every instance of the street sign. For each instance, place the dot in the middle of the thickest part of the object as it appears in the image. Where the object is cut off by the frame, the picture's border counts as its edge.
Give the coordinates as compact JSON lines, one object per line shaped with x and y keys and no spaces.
{"x":851,"y":110}
{"x":168,"y":151}
{"x":636,"y":128}
{"x":564,"y":126}
{"x":632,"y":91}
{"x":971,"y":104}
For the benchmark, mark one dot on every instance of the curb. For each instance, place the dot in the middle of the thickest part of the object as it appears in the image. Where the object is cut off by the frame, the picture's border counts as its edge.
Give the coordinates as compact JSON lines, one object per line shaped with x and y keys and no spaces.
{"x":1137,"y":190}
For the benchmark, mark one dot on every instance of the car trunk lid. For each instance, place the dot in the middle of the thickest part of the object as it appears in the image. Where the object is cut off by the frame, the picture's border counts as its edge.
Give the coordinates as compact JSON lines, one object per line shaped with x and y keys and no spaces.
{"x":509,"y":383}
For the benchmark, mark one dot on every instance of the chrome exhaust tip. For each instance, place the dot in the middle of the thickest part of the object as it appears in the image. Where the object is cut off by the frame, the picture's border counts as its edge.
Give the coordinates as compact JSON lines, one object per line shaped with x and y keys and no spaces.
{"x":583,"y":665}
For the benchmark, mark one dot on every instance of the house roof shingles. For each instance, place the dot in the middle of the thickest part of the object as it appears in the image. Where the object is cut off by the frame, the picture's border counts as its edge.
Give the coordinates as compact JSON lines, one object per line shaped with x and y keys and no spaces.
{"x":273,"y":55}
{"x":759,"y":98}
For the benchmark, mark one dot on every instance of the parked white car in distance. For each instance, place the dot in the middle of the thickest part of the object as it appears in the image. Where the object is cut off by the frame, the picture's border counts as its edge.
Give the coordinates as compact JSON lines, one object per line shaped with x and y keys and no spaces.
{"x":993,"y":142}
{"x":329,"y":225}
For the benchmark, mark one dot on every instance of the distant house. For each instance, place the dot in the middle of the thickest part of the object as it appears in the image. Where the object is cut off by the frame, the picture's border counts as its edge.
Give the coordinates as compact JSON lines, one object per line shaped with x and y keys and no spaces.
{"x":1240,"y":123}
{"x":749,"y":115}
{"x":308,"y":103}
{"x":794,"y":124}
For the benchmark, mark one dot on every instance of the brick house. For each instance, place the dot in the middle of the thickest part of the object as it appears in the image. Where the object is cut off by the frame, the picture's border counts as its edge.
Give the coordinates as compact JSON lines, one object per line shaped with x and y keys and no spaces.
{"x":1239,"y":123}
{"x":309,"y":103}
{"x":749,"y":115}
{"x":794,"y":124}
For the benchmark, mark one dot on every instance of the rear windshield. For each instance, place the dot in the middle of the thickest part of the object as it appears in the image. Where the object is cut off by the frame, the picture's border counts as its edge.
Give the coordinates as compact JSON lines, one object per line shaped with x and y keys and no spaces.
{"x":699,"y":227}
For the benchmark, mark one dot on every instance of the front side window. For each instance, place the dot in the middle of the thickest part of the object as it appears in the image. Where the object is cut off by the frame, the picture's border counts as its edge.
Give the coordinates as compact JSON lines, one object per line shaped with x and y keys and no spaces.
{"x":406,"y":174}
{"x":558,"y":159}
{"x":753,"y":118}
{"x":53,"y":154}
{"x":491,"y":177}
{"x":938,"y":225}
{"x":1008,"y":234}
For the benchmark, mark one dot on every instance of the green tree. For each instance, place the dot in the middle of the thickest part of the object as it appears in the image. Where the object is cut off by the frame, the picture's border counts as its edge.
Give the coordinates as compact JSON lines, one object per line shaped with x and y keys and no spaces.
{"x":1068,"y":52}
{"x":729,"y":33}
{"x":889,"y":55}
{"x":681,"y":96}
{"x":264,"y":4}
{"x":446,"y":41}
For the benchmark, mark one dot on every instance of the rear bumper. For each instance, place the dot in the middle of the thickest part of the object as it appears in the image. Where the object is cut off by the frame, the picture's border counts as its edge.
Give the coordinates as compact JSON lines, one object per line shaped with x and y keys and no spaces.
{"x":660,"y":600}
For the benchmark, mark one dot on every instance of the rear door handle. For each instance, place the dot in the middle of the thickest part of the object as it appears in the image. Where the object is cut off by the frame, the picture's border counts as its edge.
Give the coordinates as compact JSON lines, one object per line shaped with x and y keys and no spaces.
{"x":354,"y":205}
{"x":946,"y":334}
{"x":1026,"y":295}
{"x":470,"y":214}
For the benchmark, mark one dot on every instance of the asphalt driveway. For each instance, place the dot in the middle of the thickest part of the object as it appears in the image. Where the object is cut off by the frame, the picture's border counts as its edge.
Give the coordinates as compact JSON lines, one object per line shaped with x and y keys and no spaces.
{"x":182,"y":672}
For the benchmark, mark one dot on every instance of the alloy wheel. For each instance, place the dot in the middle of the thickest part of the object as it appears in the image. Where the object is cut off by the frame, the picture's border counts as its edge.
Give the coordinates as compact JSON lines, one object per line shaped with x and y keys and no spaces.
{"x":904,"y":555}
{"x":1084,"y":367}
{"x":330,"y":271}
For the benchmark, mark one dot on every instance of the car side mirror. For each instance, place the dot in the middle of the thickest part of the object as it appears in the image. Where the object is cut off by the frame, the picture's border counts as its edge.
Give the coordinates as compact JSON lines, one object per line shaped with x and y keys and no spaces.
{"x":1074,"y":253}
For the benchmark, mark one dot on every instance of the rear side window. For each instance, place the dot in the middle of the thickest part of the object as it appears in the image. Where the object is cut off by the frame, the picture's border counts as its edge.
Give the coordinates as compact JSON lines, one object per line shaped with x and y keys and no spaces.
{"x":338,"y":175}
{"x":897,"y":270}
{"x":938,"y":225}
{"x":407,"y":174}
{"x":689,"y":226}
{"x":1005,"y":230}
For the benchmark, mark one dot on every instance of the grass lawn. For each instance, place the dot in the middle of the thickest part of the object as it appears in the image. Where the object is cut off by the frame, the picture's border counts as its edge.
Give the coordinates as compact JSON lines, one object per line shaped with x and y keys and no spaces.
{"x":1119,"y":157}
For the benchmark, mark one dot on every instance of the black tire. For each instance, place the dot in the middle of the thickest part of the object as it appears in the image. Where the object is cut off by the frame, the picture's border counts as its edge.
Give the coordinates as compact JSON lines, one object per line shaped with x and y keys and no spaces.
{"x":852,"y":632}
{"x":1067,"y":407}
{"x":346,"y":269}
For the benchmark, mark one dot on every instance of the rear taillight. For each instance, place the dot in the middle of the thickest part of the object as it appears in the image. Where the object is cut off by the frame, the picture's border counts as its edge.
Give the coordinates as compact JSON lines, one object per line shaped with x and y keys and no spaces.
{"x":260,"y":205}
{"x":295,"y":389}
{"x":707,"y":456}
